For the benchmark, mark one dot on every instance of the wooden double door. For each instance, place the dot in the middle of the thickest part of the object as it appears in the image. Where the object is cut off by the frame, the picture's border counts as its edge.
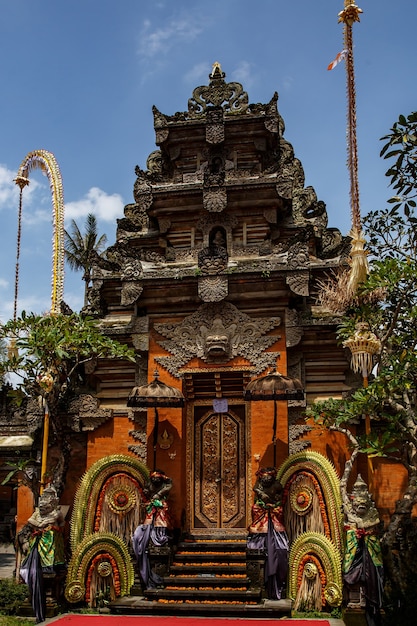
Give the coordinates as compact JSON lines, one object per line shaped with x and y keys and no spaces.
{"x":219,"y":468}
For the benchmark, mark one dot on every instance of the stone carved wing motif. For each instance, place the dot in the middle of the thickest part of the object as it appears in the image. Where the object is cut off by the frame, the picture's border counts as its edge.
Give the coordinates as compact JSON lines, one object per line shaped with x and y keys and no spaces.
{"x":217,"y":334}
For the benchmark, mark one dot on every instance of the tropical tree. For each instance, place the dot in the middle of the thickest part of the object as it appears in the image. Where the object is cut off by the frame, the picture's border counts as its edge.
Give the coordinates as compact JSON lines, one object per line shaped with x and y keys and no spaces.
{"x":48,"y":356}
{"x":80,"y":249}
{"x":387,"y":303}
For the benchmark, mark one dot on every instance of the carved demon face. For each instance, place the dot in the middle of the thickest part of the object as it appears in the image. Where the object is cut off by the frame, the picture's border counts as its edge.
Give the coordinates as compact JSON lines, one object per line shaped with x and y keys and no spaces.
{"x":47,"y":502}
{"x":361,"y":504}
{"x":217,"y":342}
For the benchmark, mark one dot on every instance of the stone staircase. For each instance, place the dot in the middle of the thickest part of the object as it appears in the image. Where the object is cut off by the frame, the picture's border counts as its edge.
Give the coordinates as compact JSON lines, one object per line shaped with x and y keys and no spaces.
{"x":208,"y":576}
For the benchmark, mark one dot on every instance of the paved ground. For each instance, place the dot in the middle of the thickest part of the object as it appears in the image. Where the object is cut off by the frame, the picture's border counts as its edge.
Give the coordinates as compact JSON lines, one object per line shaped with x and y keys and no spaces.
{"x":7,"y":560}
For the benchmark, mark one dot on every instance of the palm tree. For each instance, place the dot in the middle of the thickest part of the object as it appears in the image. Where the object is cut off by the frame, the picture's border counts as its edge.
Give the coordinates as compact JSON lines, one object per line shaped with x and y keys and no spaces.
{"x":80,"y":249}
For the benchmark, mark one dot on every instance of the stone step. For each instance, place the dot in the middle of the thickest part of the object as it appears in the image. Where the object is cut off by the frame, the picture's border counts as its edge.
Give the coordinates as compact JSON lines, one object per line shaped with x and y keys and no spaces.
{"x":212,"y":546}
{"x":132,"y":605}
{"x":196,"y":568}
{"x":206,"y":580}
{"x":209,"y":557}
{"x":195,"y":594}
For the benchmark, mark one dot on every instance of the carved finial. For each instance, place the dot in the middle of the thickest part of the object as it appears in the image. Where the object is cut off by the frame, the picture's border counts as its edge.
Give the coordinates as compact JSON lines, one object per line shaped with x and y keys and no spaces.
{"x":350,"y":13}
{"x":217,"y":71}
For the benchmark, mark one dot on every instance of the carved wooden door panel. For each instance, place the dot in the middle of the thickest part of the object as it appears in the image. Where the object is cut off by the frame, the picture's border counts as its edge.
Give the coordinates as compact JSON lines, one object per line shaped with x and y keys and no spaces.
{"x":219,"y":470}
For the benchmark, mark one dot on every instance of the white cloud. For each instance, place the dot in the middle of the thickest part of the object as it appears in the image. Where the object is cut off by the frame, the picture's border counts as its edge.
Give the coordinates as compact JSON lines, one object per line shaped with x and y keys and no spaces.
{"x":158,"y":41}
{"x":3,"y":283}
{"x":105,"y":207}
{"x":9,"y":193}
{"x":198,"y":73}
{"x":31,"y":304}
{"x":244,"y":74}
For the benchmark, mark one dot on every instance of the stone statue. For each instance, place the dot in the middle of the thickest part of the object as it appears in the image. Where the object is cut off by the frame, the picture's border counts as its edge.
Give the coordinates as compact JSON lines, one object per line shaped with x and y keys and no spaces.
{"x":362,"y":565}
{"x":156,"y":493}
{"x":156,"y":527}
{"x":267,"y":531}
{"x":41,"y":539}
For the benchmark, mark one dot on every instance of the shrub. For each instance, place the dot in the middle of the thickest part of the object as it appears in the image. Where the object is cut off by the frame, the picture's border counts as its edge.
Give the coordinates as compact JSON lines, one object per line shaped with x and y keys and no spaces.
{"x":12,"y":595}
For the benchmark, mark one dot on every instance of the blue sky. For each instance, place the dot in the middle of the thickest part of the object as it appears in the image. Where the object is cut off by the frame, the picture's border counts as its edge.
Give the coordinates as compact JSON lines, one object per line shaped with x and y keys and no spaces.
{"x":79,"y":79}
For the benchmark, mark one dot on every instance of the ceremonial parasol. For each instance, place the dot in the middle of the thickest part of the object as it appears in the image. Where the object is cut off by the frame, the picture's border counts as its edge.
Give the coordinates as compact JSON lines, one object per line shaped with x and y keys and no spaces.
{"x":274,"y":386}
{"x":155,"y":394}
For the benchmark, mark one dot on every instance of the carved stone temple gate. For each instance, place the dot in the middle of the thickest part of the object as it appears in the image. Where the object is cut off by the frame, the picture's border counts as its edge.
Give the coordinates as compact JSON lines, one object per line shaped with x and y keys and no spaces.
{"x":213,"y":280}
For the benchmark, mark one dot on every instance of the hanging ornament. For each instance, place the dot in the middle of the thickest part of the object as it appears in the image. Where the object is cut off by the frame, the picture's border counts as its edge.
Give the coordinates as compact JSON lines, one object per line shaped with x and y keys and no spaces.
{"x":363,"y":345}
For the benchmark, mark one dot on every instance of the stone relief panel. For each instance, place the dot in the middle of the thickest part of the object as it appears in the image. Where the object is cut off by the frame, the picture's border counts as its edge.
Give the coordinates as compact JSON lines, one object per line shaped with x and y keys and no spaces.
{"x":139,"y":448}
{"x":213,"y":288}
{"x":85,"y":413}
{"x":216,"y":333}
{"x":298,"y":282}
{"x":214,"y":126}
{"x":213,"y":259}
{"x":214,"y":199}
{"x":293,"y":328}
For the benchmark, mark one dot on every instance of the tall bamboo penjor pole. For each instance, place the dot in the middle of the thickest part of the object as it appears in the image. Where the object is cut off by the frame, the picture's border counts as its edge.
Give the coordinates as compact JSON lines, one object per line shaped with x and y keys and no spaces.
{"x":359,"y":263}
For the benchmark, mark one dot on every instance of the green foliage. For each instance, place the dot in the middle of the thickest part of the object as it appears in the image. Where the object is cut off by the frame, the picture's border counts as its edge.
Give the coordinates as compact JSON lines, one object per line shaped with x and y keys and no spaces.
{"x":81,"y":249}
{"x":16,"y":621}
{"x":48,"y":355}
{"x":24,"y":467}
{"x":12,"y":595}
{"x":401,"y":145}
{"x":57,"y":345}
{"x":78,"y":247}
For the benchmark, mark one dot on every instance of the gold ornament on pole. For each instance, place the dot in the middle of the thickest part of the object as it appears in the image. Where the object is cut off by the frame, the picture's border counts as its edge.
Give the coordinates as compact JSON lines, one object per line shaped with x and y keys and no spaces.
{"x":363,"y":345}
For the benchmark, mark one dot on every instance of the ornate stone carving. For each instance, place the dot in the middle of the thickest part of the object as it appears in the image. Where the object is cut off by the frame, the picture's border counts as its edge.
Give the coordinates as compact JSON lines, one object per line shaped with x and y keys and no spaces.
{"x":298,"y":282}
{"x":291,"y":173}
{"x":295,"y":444}
{"x":160,"y":124}
{"x":212,"y":259}
{"x":293,"y":329}
{"x":209,"y":222}
{"x":126,"y":260}
{"x":154,"y":166}
{"x":140,"y":334}
{"x":138,"y":434}
{"x":213,"y":288}
{"x":215,"y":126}
{"x":218,"y":93}
{"x":131,"y":291}
{"x":298,"y":256}
{"x":333,"y":244}
{"x":85,"y":413}
{"x":306,"y":209}
{"x":198,"y":335}
{"x":214,"y":199}
{"x":136,"y":217}
{"x":142,"y":191}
